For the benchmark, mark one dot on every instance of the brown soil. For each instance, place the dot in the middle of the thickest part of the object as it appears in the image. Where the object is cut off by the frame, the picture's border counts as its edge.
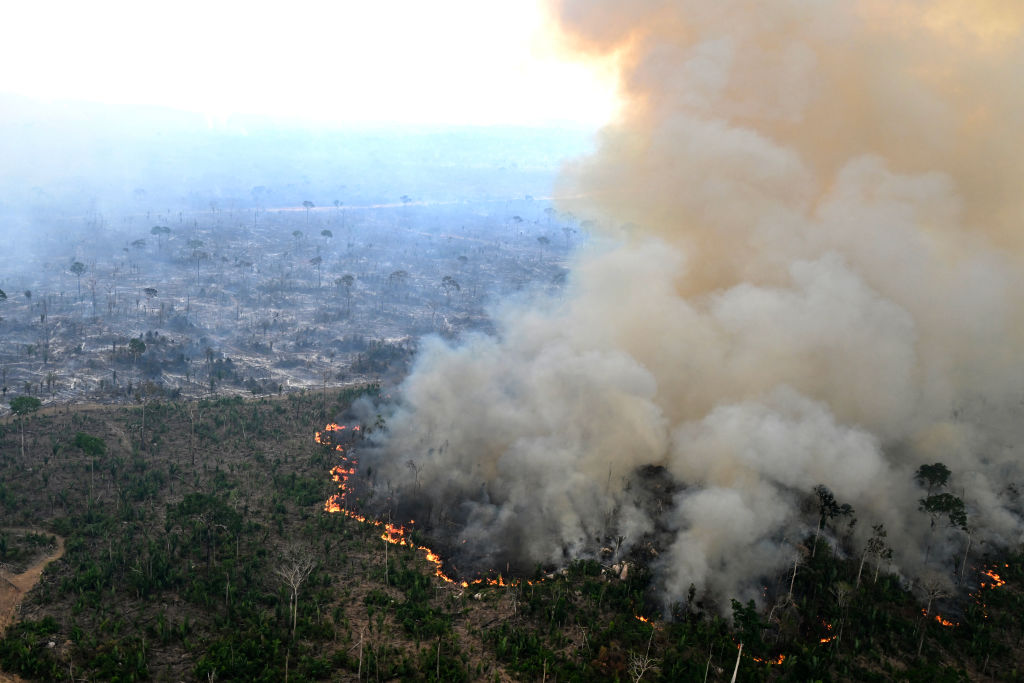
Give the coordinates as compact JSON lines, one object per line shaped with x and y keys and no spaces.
{"x":14,"y":588}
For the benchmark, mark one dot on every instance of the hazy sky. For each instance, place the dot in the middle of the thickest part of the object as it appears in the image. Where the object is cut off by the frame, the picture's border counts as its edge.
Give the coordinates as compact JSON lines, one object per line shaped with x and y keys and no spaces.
{"x":409,"y":61}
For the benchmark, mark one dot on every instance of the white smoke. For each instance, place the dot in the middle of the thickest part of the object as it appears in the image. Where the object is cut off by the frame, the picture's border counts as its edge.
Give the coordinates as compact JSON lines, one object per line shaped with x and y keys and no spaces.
{"x":823,"y":287}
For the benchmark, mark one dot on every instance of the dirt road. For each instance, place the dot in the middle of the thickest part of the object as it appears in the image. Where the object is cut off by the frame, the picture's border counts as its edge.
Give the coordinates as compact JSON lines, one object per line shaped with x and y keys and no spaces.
{"x":13,"y":588}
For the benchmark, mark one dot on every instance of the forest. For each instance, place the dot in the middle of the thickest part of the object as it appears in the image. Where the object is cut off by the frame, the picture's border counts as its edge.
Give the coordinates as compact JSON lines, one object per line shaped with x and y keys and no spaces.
{"x":197,"y":546}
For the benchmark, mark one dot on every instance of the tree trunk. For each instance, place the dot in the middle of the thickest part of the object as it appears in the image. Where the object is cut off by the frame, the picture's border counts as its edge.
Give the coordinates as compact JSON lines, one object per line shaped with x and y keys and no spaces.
{"x":736,"y":669}
{"x":963,"y":566}
{"x":792,"y":580}
{"x":863,"y":557}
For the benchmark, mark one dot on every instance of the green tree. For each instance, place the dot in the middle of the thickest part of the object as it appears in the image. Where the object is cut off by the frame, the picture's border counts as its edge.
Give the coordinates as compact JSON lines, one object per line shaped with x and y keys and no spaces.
{"x":90,"y":445}
{"x":828,"y":509}
{"x":938,"y":505}
{"x":136,"y":347}
{"x":932,"y":477}
{"x":22,"y":406}
{"x":94,"y":447}
{"x":945,"y":505}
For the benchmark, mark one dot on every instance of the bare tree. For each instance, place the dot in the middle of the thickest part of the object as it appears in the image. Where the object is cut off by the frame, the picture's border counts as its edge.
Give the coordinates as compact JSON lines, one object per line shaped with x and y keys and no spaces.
{"x":639,"y":665}
{"x":296,"y":565}
{"x":876,"y":547}
{"x":934,"y":588}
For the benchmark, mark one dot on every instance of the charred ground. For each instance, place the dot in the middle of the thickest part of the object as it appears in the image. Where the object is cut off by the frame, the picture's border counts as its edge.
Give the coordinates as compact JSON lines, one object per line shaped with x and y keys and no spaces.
{"x":260,"y":300}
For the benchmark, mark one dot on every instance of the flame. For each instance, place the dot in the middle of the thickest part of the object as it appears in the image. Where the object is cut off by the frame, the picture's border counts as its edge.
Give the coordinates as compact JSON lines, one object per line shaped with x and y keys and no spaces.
{"x":830,"y":638}
{"x":997,"y":581}
{"x":393,"y":534}
{"x":778,"y":660}
{"x":940,"y":619}
{"x":642,"y":618}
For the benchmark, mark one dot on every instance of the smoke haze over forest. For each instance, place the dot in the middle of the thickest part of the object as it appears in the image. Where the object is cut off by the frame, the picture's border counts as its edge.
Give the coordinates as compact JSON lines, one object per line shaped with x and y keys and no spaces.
{"x":807,"y":271}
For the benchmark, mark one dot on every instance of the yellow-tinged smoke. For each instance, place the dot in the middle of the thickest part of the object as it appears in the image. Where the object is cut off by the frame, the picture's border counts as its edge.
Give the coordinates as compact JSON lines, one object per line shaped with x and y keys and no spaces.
{"x":817,"y":279}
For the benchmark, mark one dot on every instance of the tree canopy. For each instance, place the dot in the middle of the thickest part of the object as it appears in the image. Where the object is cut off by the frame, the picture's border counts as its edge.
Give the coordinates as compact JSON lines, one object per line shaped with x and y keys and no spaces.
{"x":23,"y":405}
{"x":932,"y":477}
{"x":90,"y":445}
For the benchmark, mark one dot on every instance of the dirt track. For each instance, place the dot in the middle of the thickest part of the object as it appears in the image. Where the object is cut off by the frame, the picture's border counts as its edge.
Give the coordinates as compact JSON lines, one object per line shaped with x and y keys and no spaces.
{"x":14,"y":588}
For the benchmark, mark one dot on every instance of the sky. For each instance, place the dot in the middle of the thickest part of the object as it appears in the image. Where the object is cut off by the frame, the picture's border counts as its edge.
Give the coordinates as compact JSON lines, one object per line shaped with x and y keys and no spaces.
{"x":454,"y":62}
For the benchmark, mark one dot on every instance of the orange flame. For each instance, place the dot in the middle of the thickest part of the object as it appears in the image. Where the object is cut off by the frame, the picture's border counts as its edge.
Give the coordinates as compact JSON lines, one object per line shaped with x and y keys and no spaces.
{"x":392,"y":534}
{"x":940,"y":619}
{"x":997,"y":581}
{"x":778,"y":660}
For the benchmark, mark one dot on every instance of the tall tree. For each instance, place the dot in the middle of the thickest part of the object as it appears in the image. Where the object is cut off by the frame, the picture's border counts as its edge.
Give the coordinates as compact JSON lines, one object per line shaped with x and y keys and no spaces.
{"x":22,"y":406}
{"x":828,"y":509}
{"x":78,"y":268}
{"x":294,"y":569}
{"x":316,"y":262}
{"x":932,"y":477}
{"x":938,"y":505}
{"x":347,"y":281}
{"x":876,"y":547}
{"x":309,"y":205}
{"x":196,"y":247}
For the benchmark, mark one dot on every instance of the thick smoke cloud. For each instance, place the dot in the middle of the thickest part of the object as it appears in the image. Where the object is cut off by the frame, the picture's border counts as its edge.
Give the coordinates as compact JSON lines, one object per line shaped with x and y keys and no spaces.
{"x":818,"y":281}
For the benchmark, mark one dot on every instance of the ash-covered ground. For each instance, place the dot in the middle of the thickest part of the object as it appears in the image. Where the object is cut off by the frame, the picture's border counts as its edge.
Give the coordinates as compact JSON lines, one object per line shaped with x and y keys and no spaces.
{"x":261,"y":300}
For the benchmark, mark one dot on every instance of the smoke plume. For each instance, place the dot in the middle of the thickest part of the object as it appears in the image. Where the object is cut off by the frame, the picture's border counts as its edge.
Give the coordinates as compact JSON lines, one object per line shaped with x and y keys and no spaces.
{"x":807,"y":271}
